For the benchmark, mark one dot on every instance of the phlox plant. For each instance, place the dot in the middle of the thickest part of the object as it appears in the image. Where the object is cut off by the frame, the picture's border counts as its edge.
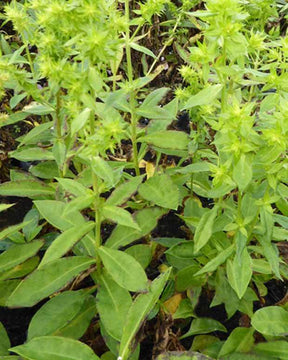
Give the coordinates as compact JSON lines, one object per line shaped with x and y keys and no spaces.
{"x":83,"y":74}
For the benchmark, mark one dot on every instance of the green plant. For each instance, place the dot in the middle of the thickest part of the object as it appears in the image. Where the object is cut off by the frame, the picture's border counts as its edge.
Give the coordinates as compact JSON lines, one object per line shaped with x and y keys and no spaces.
{"x":73,"y":78}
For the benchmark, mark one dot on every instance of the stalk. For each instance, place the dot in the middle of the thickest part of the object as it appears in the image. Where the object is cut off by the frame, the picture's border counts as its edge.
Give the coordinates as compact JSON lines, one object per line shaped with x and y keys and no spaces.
{"x":30,"y":60}
{"x":134,"y":118}
{"x":165,"y":45}
{"x":97,"y":222}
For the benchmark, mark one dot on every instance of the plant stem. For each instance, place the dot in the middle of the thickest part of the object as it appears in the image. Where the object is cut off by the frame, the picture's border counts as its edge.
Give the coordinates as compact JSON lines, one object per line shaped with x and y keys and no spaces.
{"x":58,"y":120}
{"x":30,"y":60}
{"x":132,"y":94}
{"x":167,"y":43}
{"x":97,"y":222}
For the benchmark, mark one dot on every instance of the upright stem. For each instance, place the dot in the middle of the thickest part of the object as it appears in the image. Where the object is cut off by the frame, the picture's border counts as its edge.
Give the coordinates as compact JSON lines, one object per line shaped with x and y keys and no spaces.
{"x":58,"y":119}
{"x":165,"y":45}
{"x":127,"y":43}
{"x":30,"y":60}
{"x":97,"y":222}
{"x":134,"y":117}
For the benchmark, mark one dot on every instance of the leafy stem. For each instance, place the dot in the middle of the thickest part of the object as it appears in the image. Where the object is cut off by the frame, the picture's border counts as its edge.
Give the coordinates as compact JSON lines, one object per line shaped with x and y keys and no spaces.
{"x":97,"y":221}
{"x":167,"y":43}
{"x":132,"y":92}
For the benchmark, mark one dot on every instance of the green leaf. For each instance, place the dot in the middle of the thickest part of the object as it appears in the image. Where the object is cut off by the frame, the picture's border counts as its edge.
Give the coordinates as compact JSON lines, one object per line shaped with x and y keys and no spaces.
{"x":6,"y":288}
{"x":119,"y":215}
{"x":77,"y":327}
{"x":40,"y":133}
{"x":45,"y":170}
{"x":58,"y":313}
{"x":142,"y":49}
{"x":38,"y":109}
{"x":142,"y":253}
{"x":45,"y":281}
{"x":102,"y":169}
{"x":25,"y":188}
{"x":168,"y":139}
{"x":203,"y":326}
{"x":160,"y":190}
{"x":140,"y":308}
{"x":240,"y":340}
{"x":72,"y":186}
{"x":204,"y":97}
{"x":13,"y":118}
{"x":242,"y":173}
{"x":59,"y":152}
{"x":271,"y":320}
{"x":64,"y":242}
{"x":195,"y":168}
{"x":239,"y":273}
{"x":204,"y":229}
{"x":273,"y":349}
{"x":183,"y":355}
{"x":52,"y":347}
{"x":4,"y":341}
{"x":181,"y":255}
{"x":80,"y":121}
{"x":4,"y":207}
{"x":113,"y":302}
{"x":32,"y":154}
{"x":124,"y":191}
{"x":21,"y":270}
{"x":154,"y":97}
{"x":123,"y":235}
{"x":53,"y":212}
{"x":79,"y":203}
{"x":213,"y":264}
{"x":17,"y":254}
{"x":12,"y":229}
{"x":124,"y":269}
{"x":186,"y":278}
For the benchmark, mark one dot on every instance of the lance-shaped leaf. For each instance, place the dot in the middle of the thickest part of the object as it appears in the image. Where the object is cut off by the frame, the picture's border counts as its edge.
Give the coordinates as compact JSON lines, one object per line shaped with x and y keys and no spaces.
{"x":58,"y":313}
{"x":240,"y":340}
{"x":79,"y":122}
{"x":124,"y":191}
{"x":102,"y":169}
{"x":45,"y":281}
{"x":17,"y":254}
{"x":53,"y":212}
{"x":242,"y":173}
{"x":4,"y":341}
{"x":203,"y":326}
{"x":142,"y":49}
{"x":52,"y":347}
{"x":217,"y":261}
{"x":12,"y":229}
{"x":203,"y":97}
{"x":139,"y":310}
{"x":120,"y":216}
{"x":4,"y":207}
{"x":25,"y":188}
{"x":113,"y":302}
{"x":32,"y":154}
{"x":65,"y":242}
{"x":168,"y":139}
{"x":239,"y":273}
{"x":21,"y":270}
{"x":123,"y":235}
{"x":272,"y":350}
{"x":204,"y":229}
{"x":124,"y":269}
{"x":161,"y":191}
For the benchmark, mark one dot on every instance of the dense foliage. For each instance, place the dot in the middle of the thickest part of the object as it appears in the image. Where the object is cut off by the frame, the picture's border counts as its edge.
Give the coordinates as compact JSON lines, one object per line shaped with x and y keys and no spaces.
{"x":136,"y":111}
